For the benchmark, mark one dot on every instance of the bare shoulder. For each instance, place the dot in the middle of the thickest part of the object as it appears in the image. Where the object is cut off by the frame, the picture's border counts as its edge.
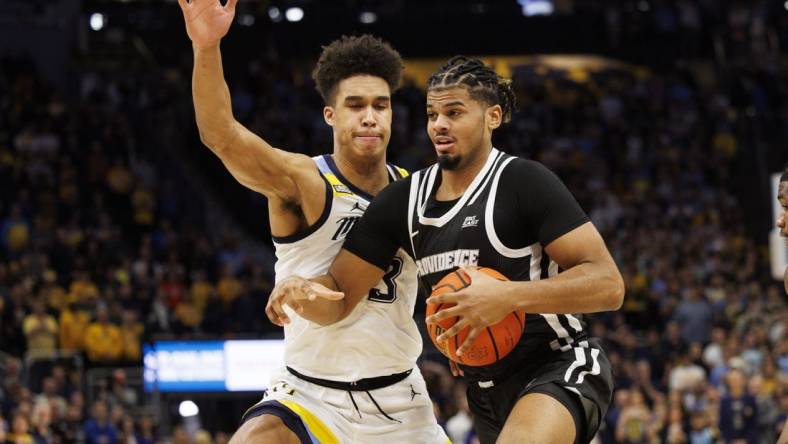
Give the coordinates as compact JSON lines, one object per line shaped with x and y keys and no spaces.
{"x":302,"y":169}
{"x":299,"y":161}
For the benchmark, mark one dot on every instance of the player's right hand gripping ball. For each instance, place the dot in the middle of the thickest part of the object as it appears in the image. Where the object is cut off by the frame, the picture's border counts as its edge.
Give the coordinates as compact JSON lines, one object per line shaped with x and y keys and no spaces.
{"x":489,"y":346}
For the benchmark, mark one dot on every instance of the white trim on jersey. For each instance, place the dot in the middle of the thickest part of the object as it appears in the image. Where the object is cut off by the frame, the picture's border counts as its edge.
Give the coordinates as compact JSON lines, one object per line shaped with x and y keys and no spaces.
{"x":414,"y":191}
{"x":477,"y":181}
{"x":574,"y":322}
{"x":560,"y":331}
{"x":535,"y":250}
{"x":480,"y":190}
{"x":552,"y":269}
{"x":493,"y":236}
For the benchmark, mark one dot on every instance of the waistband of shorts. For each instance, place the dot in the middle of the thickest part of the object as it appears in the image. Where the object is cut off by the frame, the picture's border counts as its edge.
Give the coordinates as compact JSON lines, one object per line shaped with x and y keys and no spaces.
{"x":362,"y":385}
{"x":518,"y":371}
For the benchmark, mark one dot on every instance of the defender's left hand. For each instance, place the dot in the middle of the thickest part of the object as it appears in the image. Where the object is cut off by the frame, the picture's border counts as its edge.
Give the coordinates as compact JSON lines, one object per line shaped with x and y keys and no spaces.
{"x":479,"y":305}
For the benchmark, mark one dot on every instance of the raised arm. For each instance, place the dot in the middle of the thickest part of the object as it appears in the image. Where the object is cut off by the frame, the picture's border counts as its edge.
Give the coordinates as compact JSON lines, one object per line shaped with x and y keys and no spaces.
{"x":250,"y":159}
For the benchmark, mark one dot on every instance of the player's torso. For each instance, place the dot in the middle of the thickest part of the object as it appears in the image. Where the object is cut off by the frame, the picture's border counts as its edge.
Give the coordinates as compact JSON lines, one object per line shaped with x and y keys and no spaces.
{"x":448,"y":235}
{"x":379,"y":337}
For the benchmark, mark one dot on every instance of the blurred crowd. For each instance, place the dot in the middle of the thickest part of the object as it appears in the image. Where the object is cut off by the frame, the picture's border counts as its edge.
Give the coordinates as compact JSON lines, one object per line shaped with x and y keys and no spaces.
{"x":104,"y":244}
{"x":102,"y":247}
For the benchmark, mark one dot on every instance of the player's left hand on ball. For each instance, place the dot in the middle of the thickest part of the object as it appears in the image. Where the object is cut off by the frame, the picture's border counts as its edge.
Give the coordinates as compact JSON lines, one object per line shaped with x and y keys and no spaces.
{"x":477,"y":306}
{"x":293,"y":291}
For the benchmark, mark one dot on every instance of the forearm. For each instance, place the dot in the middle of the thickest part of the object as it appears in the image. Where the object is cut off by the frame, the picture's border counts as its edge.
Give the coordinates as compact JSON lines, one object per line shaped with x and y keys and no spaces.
{"x":323,"y":311}
{"x":584,"y":288}
{"x":212,"y":102}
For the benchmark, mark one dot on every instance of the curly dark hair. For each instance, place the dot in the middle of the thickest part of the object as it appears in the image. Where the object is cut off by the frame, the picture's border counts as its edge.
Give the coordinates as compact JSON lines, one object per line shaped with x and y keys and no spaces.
{"x":354,"y":55}
{"x":483,"y":83}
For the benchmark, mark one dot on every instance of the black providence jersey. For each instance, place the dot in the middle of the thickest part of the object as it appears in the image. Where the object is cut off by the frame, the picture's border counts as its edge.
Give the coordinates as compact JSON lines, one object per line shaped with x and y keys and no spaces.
{"x":511,"y":210}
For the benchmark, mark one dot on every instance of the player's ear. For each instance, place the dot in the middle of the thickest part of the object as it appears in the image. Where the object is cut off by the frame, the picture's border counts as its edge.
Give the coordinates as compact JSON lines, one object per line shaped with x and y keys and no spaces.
{"x":328,"y":115}
{"x":494,"y":116}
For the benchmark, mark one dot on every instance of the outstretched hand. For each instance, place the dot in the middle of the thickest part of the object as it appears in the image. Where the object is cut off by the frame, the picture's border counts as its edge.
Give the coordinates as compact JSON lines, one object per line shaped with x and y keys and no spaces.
{"x":207,"y":21}
{"x":478,"y":306}
{"x":292,"y":291}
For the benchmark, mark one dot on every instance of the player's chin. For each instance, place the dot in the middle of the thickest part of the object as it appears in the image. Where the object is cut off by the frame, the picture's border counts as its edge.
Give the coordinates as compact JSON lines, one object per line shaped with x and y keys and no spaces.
{"x":448,"y":162}
{"x":370,"y":147}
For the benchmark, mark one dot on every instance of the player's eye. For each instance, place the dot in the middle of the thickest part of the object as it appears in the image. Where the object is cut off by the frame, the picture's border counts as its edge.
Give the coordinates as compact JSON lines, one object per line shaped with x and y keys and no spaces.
{"x":432,"y":115}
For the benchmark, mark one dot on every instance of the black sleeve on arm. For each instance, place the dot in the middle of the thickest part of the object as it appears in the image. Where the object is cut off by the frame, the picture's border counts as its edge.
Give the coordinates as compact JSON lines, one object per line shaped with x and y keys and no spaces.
{"x":545,"y":201}
{"x":378,"y":235}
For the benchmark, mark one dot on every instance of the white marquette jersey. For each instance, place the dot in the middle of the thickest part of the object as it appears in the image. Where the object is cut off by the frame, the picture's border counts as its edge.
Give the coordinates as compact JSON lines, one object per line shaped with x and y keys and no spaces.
{"x":379,"y":337}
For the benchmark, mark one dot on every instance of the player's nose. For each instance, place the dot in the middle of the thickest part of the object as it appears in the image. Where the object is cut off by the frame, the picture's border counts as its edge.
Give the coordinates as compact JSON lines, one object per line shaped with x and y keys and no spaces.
{"x":368,"y":118}
{"x":441,"y":123}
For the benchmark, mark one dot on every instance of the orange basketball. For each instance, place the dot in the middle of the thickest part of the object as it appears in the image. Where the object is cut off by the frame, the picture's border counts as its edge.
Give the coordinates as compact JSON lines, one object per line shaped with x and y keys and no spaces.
{"x":489,"y":346}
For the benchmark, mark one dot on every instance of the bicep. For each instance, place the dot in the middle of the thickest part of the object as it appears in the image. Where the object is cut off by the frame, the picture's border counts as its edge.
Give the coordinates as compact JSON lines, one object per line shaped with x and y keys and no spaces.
{"x":257,"y":165}
{"x":581,"y":245}
{"x":354,"y":276}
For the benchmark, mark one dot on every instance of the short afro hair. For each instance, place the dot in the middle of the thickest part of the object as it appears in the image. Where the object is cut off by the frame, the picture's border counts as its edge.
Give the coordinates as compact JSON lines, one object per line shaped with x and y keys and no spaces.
{"x":356,"y":55}
{"x":784,"y":176}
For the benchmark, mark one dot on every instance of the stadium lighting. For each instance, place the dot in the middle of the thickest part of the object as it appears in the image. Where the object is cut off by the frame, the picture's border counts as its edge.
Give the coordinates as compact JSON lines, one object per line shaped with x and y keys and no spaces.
{"x":188,"y":408}
{"x":274,"y":14}
{"x":536,"y":7}
{"x":294,"y":14}
{"x":368,"y":17}
{"x":97,"y":21}
{"x":246,"y":20}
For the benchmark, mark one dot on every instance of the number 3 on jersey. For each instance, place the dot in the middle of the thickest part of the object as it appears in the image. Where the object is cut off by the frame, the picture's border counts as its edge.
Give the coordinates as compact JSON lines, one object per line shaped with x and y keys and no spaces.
{"x":390,"y":279}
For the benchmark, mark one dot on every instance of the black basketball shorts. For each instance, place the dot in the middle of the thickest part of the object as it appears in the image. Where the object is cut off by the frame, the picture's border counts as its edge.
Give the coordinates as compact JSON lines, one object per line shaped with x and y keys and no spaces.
{"x":580,"y":378}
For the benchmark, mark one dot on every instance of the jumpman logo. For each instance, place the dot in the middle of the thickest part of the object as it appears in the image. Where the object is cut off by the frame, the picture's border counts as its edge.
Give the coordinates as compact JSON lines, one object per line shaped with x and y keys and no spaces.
{"x":413,"y":393}
{"x":356,"y":206}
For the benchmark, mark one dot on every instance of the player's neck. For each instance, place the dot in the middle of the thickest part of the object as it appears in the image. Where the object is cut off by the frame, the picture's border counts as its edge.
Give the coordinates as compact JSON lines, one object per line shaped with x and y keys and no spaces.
{"x":455,"y":182}
{"x":370,"y":175}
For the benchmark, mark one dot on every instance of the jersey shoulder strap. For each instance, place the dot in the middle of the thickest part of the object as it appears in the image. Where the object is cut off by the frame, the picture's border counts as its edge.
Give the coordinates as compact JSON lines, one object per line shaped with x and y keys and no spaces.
{"x":337,"y":187}
{"x":396,"y":172}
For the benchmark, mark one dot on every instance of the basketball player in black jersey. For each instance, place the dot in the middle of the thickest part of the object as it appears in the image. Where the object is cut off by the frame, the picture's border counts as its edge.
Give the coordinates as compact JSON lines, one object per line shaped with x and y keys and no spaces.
{"x":782,"y":224}
{"x":480,"y":207}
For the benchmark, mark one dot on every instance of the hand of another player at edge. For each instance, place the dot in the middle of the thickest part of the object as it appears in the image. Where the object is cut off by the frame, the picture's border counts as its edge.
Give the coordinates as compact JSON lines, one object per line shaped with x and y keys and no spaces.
{"x":479,"y":305}
{"x":292,"y":291}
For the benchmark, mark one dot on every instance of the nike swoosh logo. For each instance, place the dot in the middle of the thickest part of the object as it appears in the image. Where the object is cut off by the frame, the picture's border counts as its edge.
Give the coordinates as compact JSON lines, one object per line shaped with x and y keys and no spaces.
{"x":414,"y":234}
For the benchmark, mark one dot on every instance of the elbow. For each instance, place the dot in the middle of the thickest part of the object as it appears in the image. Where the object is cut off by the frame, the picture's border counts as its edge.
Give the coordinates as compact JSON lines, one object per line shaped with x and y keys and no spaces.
{"x":205,"y":137}
{"x":216,"y":136}
{"x":616,"y":291}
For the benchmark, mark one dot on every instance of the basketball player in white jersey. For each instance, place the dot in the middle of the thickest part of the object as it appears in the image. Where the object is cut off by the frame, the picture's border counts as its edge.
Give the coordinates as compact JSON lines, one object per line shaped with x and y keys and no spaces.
{"x":355,"y":381}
